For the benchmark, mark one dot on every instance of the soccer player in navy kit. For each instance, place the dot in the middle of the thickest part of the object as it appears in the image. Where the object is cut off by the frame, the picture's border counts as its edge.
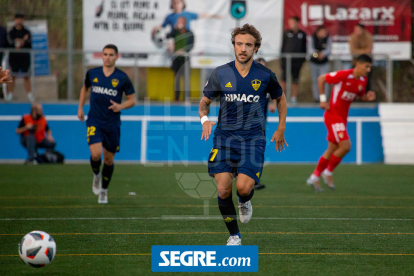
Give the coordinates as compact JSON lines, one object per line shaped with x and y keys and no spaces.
{"x":107,"y":84}
{"x":239,"y":138}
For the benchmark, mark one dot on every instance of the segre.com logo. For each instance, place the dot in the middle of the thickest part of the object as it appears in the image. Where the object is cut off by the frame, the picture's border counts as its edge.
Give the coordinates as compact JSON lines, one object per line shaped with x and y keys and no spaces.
{"x":204,"y":258}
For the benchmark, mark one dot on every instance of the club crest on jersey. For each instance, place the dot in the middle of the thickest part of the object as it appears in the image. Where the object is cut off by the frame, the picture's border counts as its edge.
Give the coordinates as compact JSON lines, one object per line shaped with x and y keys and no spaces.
{"x":95,"y":80}
{"x":115,"y":82}
{"x":360,"y":87}
{"x":256,"y":84}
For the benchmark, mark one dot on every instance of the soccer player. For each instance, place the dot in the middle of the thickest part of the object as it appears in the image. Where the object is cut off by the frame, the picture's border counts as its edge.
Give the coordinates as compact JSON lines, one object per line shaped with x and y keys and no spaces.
{"x":239,"y":139}
{"x":348,"y":85}
{"x":107,"y":84}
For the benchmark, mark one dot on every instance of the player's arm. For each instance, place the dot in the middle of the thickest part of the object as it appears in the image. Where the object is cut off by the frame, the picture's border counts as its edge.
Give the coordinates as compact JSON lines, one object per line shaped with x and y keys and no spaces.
{"x":369,"y":97}
{"x":130,"y":102}
{"x":211,"y":90}
{"x":279,"y":135}
{"x":323,"y":103}
{"x":82,"y":99}
{"x":203,"y":110}
{"x":276,"y":93}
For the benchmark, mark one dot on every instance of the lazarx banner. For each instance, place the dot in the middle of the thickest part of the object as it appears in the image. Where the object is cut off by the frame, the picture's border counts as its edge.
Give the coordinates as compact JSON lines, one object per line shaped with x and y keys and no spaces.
{"x":389,"y":21}
{"x":150,"y":27}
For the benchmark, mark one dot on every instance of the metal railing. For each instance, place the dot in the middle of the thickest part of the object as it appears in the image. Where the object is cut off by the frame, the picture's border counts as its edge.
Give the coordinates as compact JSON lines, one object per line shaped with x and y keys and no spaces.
{"x":137,"y":56}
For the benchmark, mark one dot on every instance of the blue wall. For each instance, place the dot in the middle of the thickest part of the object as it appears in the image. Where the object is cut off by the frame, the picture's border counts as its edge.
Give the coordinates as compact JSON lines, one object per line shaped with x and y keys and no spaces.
{"x":179,"y":141}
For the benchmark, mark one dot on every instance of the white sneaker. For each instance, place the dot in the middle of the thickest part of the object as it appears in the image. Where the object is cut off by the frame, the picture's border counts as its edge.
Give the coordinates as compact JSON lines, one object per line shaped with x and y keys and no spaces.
{"x":314,"y":185}
{"x":97,"y":183}
{"x":30,"y":97}
{"x":245,"y":211}
{"x":234,"y":240}
{"x":103,"y":196}
{"x":9,"y":97}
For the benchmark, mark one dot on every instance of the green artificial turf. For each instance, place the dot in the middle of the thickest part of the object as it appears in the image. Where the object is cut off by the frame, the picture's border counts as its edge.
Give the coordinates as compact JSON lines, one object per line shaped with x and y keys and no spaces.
{"x":365,"y":227}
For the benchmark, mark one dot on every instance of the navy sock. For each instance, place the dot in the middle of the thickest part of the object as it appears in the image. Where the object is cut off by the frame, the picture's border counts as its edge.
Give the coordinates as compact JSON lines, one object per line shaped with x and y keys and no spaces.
{"x":106,"y":175}
{"x":238,"y":234}
{"x":228,"y":211}
{"x":96,"y":165}
{"x":244,"y":199}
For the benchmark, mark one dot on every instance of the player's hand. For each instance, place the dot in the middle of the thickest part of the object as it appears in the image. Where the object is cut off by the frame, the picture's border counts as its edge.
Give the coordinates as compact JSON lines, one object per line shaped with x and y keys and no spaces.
{"x":29,"y":126}
{"x":207,"y":126}
{"x":81,"y":115}
{"x":272,"y":108}
{"x":324,"y":105}
{"x":50,"y":138}
{"x":279,"y":139}
{"x":116,"y":107}
{"x":5,"y":76}
{"x":371,"y":96}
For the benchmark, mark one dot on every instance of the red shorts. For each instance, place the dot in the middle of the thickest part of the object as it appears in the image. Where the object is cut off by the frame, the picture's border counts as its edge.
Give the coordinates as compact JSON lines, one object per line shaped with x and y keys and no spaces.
{"x":336,"y":127}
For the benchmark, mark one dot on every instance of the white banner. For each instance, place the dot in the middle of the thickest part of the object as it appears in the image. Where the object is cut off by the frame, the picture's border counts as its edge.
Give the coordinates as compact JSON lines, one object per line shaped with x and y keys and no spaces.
{"x":129,"y":24}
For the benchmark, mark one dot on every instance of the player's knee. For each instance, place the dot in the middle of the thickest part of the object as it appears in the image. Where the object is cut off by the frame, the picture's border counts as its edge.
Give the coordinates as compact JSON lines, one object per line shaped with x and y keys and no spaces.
{"x":95,"y":156}
{"x":346,"y":147}
{"x":108,"y":160}
{"x":244,"y":191}
{"x":223,"y":193}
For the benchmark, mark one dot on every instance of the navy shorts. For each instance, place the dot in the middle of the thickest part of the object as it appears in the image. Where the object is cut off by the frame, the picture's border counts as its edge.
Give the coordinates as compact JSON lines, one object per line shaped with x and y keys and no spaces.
{"x":247,"y":161}
{"x":109,"y":137}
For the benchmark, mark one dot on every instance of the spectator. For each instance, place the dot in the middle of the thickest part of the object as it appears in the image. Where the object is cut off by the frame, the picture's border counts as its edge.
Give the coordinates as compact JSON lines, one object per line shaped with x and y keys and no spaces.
{"x":183,"y":42}
{"x":361,"y":42}
{"x":319,"y":48}
{"x":33,"y":129}
{"x":294,"y":42}
{"x":19,"y":37}
{"x":3,"y":42}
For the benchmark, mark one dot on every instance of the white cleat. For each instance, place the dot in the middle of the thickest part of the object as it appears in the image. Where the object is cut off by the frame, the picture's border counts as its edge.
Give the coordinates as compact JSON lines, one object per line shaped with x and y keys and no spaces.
{"x":234,"y":240}
{"x":97,"y":183}
{"x":103,"y":196}
{"x":314,"y":185}
{"x":245,"y":211}
{"x":328,"y":180}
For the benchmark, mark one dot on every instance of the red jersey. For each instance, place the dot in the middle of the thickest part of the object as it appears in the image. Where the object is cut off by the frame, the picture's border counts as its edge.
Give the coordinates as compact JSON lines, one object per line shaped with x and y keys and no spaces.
{"x":345,"y":89}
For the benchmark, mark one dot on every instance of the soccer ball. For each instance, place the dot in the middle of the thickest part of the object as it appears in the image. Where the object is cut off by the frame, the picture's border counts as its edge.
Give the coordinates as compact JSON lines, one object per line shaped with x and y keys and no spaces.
{"x":37,"y":249}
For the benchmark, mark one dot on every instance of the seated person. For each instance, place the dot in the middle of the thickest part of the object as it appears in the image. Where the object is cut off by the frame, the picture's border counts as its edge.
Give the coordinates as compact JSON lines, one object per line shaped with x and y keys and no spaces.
{"x":33,"y":129}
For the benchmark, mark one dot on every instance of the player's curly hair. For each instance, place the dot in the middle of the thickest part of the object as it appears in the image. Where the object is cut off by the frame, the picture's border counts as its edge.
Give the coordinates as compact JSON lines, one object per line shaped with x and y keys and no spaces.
{"x":247,"y":29}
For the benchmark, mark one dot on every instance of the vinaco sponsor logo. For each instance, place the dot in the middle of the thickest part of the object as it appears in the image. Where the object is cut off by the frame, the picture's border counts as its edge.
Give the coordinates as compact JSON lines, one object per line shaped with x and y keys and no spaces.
{"x":315,"y":15}
{"x":204,"y":258}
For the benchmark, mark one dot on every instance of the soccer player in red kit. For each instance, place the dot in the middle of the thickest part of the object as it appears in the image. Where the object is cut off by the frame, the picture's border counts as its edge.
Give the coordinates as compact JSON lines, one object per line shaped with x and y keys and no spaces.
{"x":347,"y":85}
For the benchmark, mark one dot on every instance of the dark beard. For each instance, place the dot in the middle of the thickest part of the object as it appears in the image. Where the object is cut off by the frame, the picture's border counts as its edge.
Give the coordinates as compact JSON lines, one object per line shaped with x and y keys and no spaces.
{"x":244,"y":62}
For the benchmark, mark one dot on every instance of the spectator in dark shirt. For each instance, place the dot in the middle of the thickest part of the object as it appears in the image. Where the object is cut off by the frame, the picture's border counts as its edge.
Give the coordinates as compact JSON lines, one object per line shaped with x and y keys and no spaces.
{"x":183,"y":42}
{"x":3,"y":42}
{"x":20,"y":38}
{"x":320,"y":48}
{"x":294,"y":42}
{"x":33,"y":129}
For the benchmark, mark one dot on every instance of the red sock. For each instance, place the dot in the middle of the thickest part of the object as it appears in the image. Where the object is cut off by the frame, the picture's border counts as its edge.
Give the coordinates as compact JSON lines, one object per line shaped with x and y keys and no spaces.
{"x":322,"y":163}
{"x":333,"y":162}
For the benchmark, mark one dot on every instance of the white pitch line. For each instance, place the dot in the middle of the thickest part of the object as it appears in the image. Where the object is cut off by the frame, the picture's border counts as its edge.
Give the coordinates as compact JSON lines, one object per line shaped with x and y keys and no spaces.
{"x":207,"y":218}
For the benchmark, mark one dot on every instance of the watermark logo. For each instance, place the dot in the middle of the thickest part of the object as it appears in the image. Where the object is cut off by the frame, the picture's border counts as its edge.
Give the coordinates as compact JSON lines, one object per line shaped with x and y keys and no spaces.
{"x":206,"y":258}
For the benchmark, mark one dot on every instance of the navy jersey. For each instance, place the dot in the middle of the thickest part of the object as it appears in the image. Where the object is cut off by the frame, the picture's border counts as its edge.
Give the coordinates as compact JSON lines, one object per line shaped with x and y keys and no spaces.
{"x":104,"y":89}
{"x":242,"y":103}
